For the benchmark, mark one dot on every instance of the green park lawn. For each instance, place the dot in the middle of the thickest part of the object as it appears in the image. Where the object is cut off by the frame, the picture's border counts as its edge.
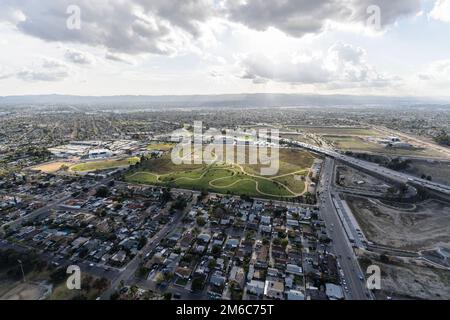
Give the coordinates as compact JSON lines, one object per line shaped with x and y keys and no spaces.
{"x":228,"y":178}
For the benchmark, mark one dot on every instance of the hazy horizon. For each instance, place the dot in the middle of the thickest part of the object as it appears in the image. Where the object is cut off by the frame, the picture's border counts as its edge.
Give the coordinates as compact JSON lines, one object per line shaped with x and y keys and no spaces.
{"x":228,"y":100}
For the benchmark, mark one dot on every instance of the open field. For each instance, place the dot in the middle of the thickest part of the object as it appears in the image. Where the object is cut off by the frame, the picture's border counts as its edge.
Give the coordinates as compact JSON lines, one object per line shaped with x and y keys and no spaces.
{"x":356,"y":179}
{"x":103,"y":164}
{"x":354,"y":143}
{"x":86,"y":166}
{"x":423,"y":226}
{"x":289,"y":161}
{"x":439,"y":171}
{"x":356,"y":139}
{"x":60,"y":292}
{"x":53,"y":166}
{"x":38,"y":287}
{"x":403,"y":279}
{"x":230,"y":177}
{"x":338,"y":131}
{"x":26,"y":291}
{"x":299,"y":137}
{"x":162,"y":146}
{"x":217,"y":179}
{"x":295,"y":182}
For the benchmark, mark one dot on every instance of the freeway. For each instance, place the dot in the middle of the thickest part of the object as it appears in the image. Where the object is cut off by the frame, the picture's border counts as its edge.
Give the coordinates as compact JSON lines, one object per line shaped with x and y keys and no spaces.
{"x":361,"y":164}
{"x":373,"y":167}
{"x":352,"y":274}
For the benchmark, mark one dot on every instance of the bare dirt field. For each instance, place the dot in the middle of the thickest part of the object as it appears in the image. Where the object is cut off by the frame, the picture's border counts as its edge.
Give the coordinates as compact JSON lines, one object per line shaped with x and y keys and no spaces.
{"x":352,"y":178}
{"x":359,"y":143}
{"x":424,"y":226}
{"x":357,"y":131}
{"x":406,"y":279}
{"x":26,"y":291}
{"x":438,"y":170}
{"x":299,"y":137}
{"x":53,"y":166}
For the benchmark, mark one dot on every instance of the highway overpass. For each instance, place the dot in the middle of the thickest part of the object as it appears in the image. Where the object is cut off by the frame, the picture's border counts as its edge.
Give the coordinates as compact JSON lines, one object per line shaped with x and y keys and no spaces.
{"x":375,"y":168}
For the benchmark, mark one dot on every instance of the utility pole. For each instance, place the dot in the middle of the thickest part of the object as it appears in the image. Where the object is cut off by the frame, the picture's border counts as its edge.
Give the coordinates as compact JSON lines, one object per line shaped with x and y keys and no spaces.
{"x":21,"y":268}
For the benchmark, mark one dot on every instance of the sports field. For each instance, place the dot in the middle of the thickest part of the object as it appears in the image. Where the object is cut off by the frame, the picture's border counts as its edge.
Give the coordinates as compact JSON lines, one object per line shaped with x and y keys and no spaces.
{"x":85,"y":166}
{"x":230,"y":178}
{"x":162,"y":146}
{"x":52,"y":167}
{"x":103,"y":164}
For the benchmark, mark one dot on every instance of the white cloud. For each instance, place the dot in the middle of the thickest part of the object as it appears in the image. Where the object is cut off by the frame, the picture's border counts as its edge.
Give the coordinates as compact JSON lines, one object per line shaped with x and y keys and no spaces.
{"x":441,"y":11}
{"x":215,"y":74}
{"x":47,"y":70}
{"x":117,"y":57}
{"x":341,"y":66}
{"x":5,"y":75}
{"x":436,"y":72}
{"x":78,"y":57}
{"x":259,"y":67}
{"x":5,"y":72}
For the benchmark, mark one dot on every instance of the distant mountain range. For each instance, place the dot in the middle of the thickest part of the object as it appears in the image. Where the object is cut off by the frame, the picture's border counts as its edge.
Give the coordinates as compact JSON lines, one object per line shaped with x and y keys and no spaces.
{"x":224,"y":100}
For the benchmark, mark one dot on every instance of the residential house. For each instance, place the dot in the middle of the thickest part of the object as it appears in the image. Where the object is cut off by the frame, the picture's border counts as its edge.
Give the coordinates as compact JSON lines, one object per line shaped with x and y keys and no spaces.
{"x":274,"y":289}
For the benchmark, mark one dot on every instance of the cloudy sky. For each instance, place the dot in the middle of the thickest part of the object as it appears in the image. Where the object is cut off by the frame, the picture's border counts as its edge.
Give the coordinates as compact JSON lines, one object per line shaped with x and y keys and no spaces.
{"x":154,"y":47}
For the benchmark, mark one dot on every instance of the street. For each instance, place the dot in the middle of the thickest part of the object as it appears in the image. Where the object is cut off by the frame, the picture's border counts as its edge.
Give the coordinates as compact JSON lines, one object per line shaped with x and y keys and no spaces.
{"x":133,"y":265}
{"x":356,"y":289}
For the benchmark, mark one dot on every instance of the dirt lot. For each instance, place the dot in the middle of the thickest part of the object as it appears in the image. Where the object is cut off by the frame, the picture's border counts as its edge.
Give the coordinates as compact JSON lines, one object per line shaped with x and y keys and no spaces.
{"x":439,"y":171}
{"x":350,"y":178}
{"x":406,"y":279}
{"x":423,"y":227}
{"x":343,"y":131}
{"x":27,"y":291}
{"x":52,"y":166}
{"x":356,"y":143}
{"x":299,"y":137}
